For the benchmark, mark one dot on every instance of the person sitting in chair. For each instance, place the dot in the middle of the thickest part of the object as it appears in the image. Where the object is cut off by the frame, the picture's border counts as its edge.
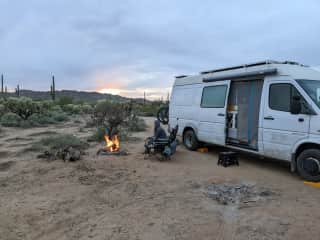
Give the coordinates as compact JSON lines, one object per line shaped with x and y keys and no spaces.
{"x":159,"y":132}
{"x":160,"y":143}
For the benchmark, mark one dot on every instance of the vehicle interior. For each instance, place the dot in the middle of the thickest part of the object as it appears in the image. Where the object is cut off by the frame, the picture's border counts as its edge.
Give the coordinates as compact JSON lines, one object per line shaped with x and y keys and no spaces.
{"x":243,"y":113}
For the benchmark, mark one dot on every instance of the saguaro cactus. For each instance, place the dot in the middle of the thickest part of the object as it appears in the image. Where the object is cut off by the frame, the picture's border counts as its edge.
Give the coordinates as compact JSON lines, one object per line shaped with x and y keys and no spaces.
{"x":53,"y":89}
{"x":18,"y":91}
{"x":2,"y":84}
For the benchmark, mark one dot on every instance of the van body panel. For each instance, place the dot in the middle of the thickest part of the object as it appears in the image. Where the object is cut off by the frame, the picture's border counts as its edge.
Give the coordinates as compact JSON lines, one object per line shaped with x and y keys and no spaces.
{"x":314,"y":139}
{"x":184,"y":107}
{"x":314,"y":126}
{"x":281,"y":129}
{"x":280,"y":133}
{"x":212,"y":121}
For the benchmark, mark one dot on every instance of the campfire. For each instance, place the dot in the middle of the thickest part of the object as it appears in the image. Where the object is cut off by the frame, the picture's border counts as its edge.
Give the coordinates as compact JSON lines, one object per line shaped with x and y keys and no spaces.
{"x":112,"y":146}
{"x":112,"y":143}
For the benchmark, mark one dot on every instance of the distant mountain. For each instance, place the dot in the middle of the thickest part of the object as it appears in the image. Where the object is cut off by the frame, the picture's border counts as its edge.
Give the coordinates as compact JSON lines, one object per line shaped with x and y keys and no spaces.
{"x":76,"y":95}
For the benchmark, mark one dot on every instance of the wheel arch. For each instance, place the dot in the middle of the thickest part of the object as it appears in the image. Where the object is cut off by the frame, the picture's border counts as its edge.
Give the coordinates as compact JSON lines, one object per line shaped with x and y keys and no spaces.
{"x":304,"y":146}
{"x":299,"y":148}
{"x":189,"y":127}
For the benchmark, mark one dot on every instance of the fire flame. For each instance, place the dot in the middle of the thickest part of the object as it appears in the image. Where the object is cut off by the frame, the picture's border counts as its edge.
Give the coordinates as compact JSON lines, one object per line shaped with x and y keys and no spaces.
{"x":112,"y":144}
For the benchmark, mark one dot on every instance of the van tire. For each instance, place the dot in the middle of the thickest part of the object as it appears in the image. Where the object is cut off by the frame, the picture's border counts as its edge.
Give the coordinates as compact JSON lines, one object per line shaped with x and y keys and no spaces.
{"x":190,"y":140}
{"x":308,"y":164}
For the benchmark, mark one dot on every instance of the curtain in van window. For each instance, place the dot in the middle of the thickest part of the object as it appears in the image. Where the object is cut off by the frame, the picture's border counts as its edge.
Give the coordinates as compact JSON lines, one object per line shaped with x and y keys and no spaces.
{"x":246,"y":95}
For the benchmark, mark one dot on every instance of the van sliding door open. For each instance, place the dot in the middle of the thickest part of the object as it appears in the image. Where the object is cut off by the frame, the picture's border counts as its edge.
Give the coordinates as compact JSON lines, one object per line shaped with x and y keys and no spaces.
{"x":212,"y":114}
{"x":243,"y":113}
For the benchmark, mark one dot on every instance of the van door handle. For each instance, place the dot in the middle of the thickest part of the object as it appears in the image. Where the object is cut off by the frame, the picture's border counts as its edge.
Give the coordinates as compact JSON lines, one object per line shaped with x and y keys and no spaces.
{"x":301,"y":119}
{"x":221,"y":114}
{"x":269,"y":118}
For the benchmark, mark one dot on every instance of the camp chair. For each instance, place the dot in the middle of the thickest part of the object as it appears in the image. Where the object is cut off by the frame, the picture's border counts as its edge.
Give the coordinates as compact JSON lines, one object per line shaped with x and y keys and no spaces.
{"x":166,"y":147}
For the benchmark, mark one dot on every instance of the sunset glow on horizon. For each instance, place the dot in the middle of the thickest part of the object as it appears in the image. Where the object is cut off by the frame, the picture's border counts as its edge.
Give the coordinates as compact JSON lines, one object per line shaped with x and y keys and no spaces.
{"x":151,"y":93}
{"x":110,"y":91}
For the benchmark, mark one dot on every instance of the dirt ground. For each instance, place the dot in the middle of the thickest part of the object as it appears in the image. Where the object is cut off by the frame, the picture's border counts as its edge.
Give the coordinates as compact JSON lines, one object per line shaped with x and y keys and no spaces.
{"x":129,"y":197}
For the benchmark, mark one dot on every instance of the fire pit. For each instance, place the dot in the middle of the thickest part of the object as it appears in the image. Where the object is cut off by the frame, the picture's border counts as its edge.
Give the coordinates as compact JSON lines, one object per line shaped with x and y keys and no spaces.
{"x":112,"y":147}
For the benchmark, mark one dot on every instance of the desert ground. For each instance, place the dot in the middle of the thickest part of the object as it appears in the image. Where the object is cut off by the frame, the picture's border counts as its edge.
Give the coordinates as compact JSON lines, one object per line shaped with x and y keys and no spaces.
{"x":129,"y":197}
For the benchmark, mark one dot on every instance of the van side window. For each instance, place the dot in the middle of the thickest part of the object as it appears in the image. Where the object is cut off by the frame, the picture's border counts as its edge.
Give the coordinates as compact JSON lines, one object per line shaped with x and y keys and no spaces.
{"x":280,"y":96}
{"x":214,"y":96}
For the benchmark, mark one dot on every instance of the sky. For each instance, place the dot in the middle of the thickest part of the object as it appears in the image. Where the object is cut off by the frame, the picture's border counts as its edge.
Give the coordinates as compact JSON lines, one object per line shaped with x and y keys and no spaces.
{"x":128,"y":47}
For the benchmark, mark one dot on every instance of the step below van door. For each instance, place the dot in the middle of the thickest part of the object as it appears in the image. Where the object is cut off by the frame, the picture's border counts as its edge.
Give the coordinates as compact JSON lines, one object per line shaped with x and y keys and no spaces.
{"x":212,"y":114}
{"x":282,"y":129}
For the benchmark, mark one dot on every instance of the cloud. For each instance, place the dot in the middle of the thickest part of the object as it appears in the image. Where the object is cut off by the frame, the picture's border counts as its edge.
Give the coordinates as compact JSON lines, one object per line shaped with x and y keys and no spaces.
{"x":135,"y":45}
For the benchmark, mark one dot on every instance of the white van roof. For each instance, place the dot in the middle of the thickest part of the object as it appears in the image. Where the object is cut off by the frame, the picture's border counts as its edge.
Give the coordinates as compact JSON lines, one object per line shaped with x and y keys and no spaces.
{"x":252,"y":70}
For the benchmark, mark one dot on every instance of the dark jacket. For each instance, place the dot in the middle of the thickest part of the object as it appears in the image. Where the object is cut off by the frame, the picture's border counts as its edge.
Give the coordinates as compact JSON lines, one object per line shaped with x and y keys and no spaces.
{"x":158,"y":130}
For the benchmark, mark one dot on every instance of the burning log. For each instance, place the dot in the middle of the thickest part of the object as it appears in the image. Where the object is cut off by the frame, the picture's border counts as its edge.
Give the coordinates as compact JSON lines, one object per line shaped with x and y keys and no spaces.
{"x":112,"y":146}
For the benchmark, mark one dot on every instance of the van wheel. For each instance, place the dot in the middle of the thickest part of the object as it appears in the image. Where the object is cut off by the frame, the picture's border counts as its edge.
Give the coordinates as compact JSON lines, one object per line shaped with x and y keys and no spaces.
{"x":308,"y":164}
{"x":190,"y":140}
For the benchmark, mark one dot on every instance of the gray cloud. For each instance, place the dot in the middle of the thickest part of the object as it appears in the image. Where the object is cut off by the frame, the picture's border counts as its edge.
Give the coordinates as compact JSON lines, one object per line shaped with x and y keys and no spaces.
{"x":91,"y":44}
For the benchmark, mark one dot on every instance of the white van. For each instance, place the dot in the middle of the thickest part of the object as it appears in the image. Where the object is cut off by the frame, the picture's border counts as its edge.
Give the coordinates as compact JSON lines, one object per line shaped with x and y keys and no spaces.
{"x":268,"y":108}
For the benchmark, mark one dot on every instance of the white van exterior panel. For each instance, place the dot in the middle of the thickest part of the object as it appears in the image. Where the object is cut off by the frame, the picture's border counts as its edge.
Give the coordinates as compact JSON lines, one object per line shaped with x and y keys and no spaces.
{"x":278,"y":138}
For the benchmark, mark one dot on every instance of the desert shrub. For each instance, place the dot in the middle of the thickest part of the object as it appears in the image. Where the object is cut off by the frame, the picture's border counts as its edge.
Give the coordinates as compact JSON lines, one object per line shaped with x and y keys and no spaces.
{"x":23,"y":107}
{"x":86,"y":108}
{"x":98,"y":135}
{"x":45,"y":105}
{"x":65,"y":100}
{"x":111,"y":115}
{"x":56,"y":108}
{"x":35,"y":120}
{"x":72,"y":109}
{"x":41,"y":119}
{"x":10,"y":120}
{"x":148,"y":110}
{"x":2,"y":109}
{"x":45,"y":118}
{"x":28,"y":124}
{"x":59,"y":116}
{"x":60,"y":141}
{"x":136,"y":124}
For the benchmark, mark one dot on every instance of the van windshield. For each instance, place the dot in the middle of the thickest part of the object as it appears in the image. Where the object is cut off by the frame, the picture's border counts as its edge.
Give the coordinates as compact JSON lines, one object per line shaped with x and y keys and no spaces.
{"x":312,"y":88}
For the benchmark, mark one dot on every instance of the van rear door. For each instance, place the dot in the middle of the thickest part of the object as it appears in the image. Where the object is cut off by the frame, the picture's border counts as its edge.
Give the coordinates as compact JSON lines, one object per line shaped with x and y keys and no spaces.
{"x":212,"y":114}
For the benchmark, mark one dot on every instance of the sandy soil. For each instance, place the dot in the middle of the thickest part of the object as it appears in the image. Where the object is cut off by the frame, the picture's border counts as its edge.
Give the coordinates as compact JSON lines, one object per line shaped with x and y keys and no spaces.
{"x":129,"y":197}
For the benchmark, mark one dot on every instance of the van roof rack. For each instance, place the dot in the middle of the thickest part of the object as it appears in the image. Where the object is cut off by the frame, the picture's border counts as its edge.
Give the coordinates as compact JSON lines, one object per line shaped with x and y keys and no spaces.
{"x":266,"y":62}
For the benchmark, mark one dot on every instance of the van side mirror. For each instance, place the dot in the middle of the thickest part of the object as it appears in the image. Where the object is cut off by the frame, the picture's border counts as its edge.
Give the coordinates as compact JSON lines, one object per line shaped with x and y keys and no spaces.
{"x":295,"y":106}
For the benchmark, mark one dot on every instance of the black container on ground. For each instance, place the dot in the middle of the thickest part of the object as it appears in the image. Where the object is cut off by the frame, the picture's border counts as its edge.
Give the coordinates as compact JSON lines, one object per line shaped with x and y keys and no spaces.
{"x":228,"y":158}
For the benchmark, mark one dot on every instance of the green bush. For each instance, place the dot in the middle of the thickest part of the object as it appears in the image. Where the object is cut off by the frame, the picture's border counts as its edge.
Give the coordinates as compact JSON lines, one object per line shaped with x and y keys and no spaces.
{"x":87,"y":109}
{"x":98,"y":135}
{"x":36,"y":120}
{"x":136,"y":124}
{"x":45,"y":105}
{"x":2,"y":109}
{"x":65,"y":100}
{"x":41,"y":119}
{"x":59,"y":116}
{"x":111,"y":115}
{"x":10,"y":120}
{"x":56,"y":108}
{"x":72,"y":109}
{"x":23,"y":107}
{"x":60,"y":141}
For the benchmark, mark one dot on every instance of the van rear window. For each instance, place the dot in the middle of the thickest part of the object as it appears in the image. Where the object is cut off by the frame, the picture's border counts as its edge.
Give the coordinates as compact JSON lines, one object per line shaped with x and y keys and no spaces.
{"x":214,"y":96}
